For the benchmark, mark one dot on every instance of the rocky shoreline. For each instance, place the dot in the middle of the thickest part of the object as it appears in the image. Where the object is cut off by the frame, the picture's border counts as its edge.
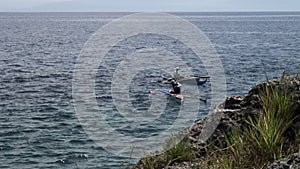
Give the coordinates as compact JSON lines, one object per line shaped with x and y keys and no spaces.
{"x":235,"y":110}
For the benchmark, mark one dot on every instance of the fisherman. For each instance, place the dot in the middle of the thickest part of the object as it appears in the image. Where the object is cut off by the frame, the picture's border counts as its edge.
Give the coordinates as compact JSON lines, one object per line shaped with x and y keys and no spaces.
{"x":176,"y":87}
{"x":176,"y":74}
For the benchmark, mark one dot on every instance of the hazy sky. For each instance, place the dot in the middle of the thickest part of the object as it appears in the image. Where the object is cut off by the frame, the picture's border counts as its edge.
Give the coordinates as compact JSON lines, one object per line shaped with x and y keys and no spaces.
{"x":149,"y":5}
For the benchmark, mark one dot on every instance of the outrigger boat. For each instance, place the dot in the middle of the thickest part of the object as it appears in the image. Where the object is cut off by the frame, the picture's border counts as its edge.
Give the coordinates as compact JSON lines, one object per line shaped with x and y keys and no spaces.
{"x":199,"y":80}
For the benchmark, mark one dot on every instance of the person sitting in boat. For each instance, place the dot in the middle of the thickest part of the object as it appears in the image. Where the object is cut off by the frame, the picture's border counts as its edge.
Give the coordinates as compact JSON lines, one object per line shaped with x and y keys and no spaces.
{"x":176,"y":73}
{"x":176,"y":87}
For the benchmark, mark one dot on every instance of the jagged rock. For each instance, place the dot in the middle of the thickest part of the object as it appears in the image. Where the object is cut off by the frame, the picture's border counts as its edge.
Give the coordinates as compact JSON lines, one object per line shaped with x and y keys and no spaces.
{"x":233,"y":102}
{"x":233,"y":113}
{"x":293,"y":162}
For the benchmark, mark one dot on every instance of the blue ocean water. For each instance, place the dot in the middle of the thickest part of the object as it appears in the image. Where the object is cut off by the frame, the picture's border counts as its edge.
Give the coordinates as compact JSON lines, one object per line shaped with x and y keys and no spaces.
{"x":38,"y":51}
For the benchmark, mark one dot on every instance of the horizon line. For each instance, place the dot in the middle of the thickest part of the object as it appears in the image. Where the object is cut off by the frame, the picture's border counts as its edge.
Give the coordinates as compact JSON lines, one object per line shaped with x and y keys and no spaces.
{"x":225,"y":11}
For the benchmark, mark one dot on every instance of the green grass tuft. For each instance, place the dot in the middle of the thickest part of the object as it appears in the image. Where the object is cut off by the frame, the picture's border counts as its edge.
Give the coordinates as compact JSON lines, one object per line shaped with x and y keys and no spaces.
{"x":175,"y":151}
{"x":262,"y":141}
{"x":181,"y":151}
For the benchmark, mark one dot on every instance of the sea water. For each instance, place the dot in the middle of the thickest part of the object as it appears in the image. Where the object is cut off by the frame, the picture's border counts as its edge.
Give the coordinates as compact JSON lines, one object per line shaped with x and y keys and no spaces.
{"x":39,"y":127}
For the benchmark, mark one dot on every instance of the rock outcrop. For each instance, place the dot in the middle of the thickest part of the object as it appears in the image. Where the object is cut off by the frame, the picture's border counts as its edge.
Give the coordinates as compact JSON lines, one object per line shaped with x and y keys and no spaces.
{"x":236,"y":109}
{"x":293,"y":162}
{"x":234,"y":112}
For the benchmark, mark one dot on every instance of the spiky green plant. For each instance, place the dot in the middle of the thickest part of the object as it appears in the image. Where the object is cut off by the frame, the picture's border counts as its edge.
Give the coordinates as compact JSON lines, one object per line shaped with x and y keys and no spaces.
{"x":276,"y":117}
{"x":262,"y":140}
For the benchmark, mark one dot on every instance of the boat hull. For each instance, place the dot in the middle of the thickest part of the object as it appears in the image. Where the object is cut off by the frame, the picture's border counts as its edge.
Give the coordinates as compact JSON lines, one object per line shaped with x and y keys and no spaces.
{"x":187,"y":80}
{"x":192,"y":81}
